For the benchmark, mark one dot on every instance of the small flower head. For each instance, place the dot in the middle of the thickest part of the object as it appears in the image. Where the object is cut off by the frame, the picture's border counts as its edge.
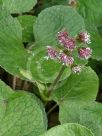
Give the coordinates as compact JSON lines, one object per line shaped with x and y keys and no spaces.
{"x":85,"y":37}
{"x":85,"y":52}
{"x":69,"y":44}
{"x":62,"y":35}
{"x":72,"y":3}
{"x":52,"y":53}
{"x":76,"y":69}
{"x":66,"y":60}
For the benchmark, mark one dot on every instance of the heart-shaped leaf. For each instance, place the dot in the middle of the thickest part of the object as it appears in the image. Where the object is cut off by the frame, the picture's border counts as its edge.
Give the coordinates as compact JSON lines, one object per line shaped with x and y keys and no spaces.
{"x":93,"y":19}
{"x":52,"y":20}
{"x":78,"y":87}
{"x":87,"y":8}
{"x":20,"y":113}
{"x":19,"y":6}
{"x":49,"y":3}
{"x":87,"y":114}
{"x":42,"y":69}
{"x":69,"y":130}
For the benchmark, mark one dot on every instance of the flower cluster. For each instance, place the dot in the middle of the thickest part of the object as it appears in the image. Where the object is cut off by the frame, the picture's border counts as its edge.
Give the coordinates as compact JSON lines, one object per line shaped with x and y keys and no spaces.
{"x":68,"y":44}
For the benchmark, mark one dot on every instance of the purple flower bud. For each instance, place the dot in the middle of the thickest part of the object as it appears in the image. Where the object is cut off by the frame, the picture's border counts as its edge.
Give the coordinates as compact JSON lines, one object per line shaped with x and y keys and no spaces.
{"x":85,"y":37}
{"x":69,"y":44}
{"x":66,"y":60}
{"x":52,"y":53}
{"x":62,"y":37}
{"x":85,"y":52}
{"x":76,"y":69}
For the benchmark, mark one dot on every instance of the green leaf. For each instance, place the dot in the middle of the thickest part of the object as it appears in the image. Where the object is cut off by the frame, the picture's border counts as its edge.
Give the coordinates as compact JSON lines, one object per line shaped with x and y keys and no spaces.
{"x":87,"y":8}
{"x":44,"y":70}
{"x":74,"y":93}
{"x":21,"y":113}
{"x":96,"y":46}
{"x":0,"y":3}
{"x":89,"y":115}
{"x":93,"y":19}
{"x":55,"y":2}
{"x":69,"y":129}
{"x":52,"y":20}
{"x":96,"y":41}
{"x":49,"y":3}
{"x":100,"y":30}
{"x":70,"y":110}
{"x":13,"y":56}
{"x":18,"y":6}
{"x":27,"y":22}
{"x":78,"y":87}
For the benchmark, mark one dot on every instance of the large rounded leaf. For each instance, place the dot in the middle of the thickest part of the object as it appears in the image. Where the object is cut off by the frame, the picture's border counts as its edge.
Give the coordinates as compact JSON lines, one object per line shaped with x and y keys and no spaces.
{"x":75,"y":93}
{"x":87,"y":114}
{"x":69,"y":130}
{"x":20,"y":113}
{"x":52,"y":20}
{"x":83,"y":86}
{"x":93,"y":18}
{"x":49,"y":3}
{"x":42,"y":69}
{"x":91,"y":116}
{"x":13,"y":56}
{"x":19,"y":6}
{"x":87,"y":8}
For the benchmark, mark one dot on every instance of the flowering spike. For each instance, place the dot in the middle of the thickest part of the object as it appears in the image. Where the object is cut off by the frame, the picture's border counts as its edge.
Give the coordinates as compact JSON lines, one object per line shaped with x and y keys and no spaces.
{"x":85,"y":37}
{"x":76,"y":69}
{"x":52,"y":53}
{"x":66,"y":60}
{"x":85,"y":52}
{"x":69,"y":43}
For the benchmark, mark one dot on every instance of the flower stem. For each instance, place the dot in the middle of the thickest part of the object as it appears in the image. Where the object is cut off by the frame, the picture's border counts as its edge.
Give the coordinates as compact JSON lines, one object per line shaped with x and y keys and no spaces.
{"x":51,"y":88}
{"x":52,"y":109}
{"x":14,"y":82}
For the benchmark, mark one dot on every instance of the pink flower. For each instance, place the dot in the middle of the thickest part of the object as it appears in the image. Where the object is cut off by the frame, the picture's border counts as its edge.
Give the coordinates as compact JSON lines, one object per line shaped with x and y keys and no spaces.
{"x":52,"y":53}
{"x":66,"y":60}
{"x":76,"y":69}
{"x":69,"y":44}
{"x":85,"y":52}
{"x":85,"y":37}
{"x":66,"y":41}
{"x":62,"y":35}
